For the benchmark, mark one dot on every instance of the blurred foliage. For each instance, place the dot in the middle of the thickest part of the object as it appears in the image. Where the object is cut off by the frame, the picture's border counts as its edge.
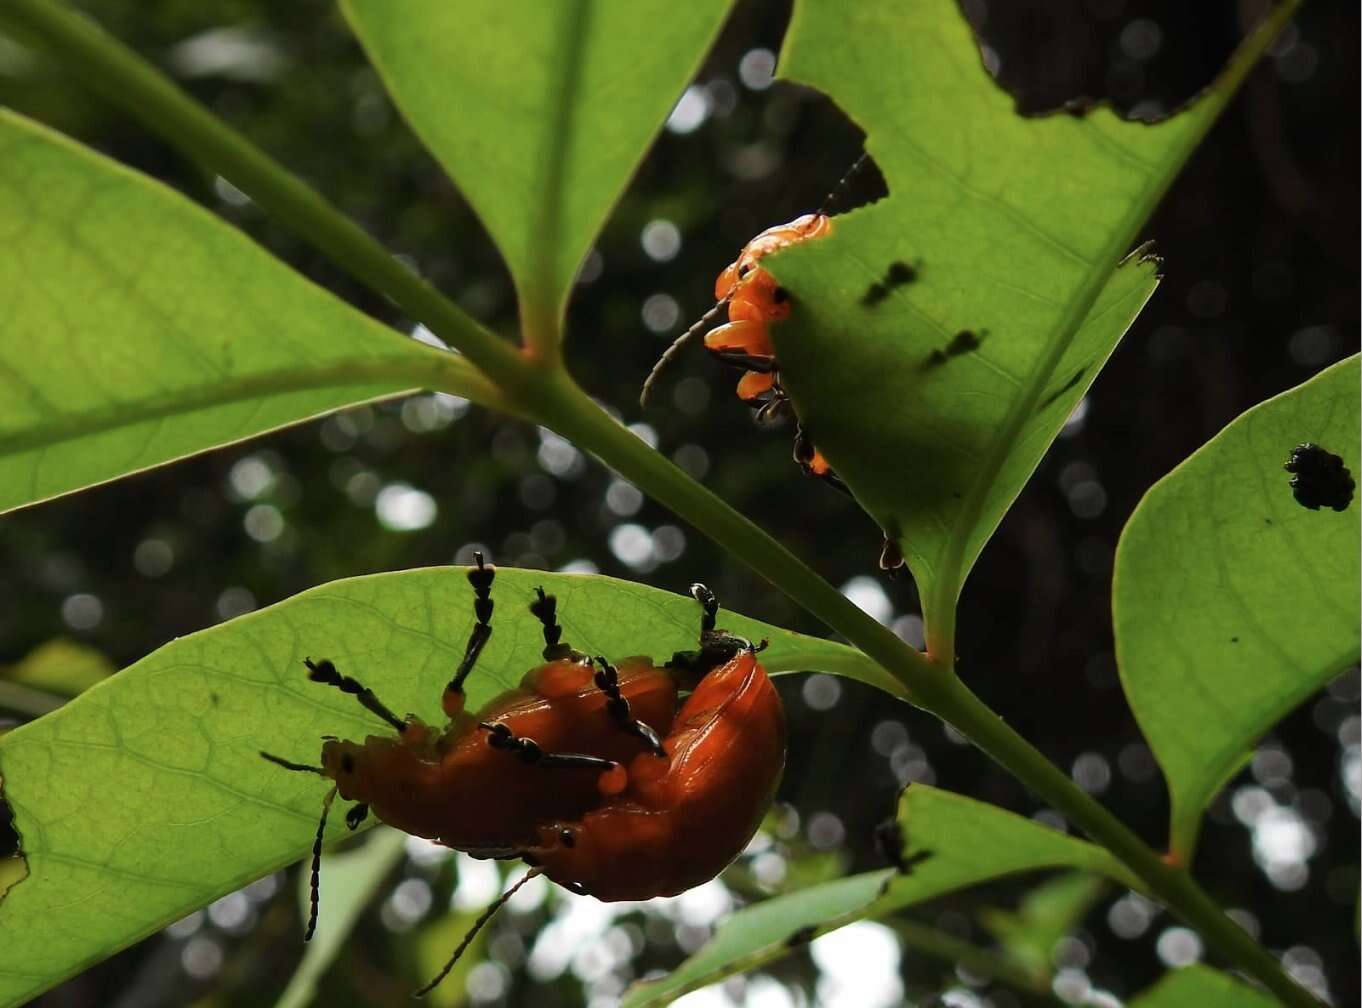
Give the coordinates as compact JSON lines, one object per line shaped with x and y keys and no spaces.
{"x":1259,"y":237}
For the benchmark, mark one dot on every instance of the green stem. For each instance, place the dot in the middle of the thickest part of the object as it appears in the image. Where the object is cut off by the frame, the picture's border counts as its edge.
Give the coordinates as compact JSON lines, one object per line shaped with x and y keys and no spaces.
{"x":551,"y":397}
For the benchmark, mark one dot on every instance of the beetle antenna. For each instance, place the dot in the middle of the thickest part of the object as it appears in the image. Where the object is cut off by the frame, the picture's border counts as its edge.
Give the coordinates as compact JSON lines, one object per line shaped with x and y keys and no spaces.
{"x":290,"y":765}
{"x":473,"y":931}
{"x":675,"y":349}
{"x":315,"y":888}
{"x":841,"y":184}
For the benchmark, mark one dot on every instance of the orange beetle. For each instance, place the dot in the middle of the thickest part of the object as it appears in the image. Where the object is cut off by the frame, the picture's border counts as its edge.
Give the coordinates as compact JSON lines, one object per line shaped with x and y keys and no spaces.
{"x":587,"y":770}
{"x":754,"y":300}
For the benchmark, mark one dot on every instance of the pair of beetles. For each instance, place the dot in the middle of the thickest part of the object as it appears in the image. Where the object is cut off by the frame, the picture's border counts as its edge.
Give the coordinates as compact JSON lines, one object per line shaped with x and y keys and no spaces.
{"x":595,"y":774}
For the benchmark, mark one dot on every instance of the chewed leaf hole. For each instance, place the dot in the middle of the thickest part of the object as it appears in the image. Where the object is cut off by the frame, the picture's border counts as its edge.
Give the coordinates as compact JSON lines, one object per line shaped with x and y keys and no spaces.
{"x":1319,"y":478}
{"x":1145,"y":59}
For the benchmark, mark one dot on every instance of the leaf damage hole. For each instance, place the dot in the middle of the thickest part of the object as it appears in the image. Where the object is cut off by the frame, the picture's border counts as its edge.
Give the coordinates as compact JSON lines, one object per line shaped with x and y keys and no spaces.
{"x":13,"y":865}
{"x":1320,"y":479}
{"x":1146,"y":59}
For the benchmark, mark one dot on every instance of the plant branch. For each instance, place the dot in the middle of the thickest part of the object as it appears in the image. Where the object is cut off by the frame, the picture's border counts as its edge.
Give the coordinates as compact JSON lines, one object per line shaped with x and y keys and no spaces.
{"x":549,"y":396}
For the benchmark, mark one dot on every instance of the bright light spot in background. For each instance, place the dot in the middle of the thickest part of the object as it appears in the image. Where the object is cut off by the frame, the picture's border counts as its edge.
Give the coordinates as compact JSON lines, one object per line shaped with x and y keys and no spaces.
{"x":233,"y":602}
{"x":860,"y":967}
{"x":232,"y":912}
{"x":557,"y":456}
{"x":488,"y":981}
{"x":1071,"y":986}
{"x":250,"y":477}
{"x":263,"y":523}
{"x":423,"y":335}
{"x":406,"y":904}
{"x":82,"y":611}
{"x":821,"y":692}
{"x":229,"y":193}
{"x":661,"y":240}
{"x":425,"y":853}
{"x":244,"y":54}
{"x":709,"y":997}
{"x":424,"y":413}
{"x":153,"y":557}
{"x":402,"y":508}
{"x":764,"y":992}
{"x":645,"y":433}
{"x":201,"y":958}
{"x":1092,"y":772}
{"x":579,"y":567}
{"x":1076,"y":419}
{"x":633,"y":546}
{"x":1131,"y":915}
{"x":691,"y":110}
{"x":660,"y":312}
{"x":669,"y":542}
{"x":866,"y":594}
{"x":624,"y":499}
{"x":530,"y":896}
{"x":959,"y":997}
{"x":1178,"y":946}
{"x":757,"y":69}
{"x":479,"y":883}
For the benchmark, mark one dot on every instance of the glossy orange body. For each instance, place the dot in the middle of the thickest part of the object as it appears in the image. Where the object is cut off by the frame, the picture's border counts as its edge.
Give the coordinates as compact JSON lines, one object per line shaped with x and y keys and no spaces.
{"x":754,"y":301}
{"x":586,"y":770}
{"x":451,"y":786}
{"x":683,"y":818}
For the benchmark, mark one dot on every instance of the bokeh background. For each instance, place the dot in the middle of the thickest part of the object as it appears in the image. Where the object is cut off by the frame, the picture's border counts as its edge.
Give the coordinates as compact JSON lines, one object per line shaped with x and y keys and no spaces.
{"x":1260,"y":239}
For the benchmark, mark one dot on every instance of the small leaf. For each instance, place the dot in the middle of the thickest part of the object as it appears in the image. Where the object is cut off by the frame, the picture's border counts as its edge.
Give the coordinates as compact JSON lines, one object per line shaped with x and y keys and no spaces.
{"x":164,"y":803}
{"x":1201,"y":987}
{"x":352,"y":878}
{"x":151,"y":330}
{"x":1048,"y":913}
{"x":1232,"y":602}
{"x":936,"y":401}
{"x":965,"y":842}
{"x":540,"y":112}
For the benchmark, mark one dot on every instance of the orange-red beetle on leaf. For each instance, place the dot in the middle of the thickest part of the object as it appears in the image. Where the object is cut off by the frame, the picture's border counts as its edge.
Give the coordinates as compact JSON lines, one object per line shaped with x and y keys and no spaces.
{"x":588,"y":771}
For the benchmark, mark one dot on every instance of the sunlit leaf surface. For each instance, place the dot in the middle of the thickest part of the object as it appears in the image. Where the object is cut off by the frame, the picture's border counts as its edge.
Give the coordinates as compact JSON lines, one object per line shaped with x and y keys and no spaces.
{"x":146,"y":329}
{"x":164,"y":803}
{"x":936,"y":401}
{"x":967,"y":842}
{"x":1201,"y":987}
{"x":539,"y":111}
{"x":1233,"y":603}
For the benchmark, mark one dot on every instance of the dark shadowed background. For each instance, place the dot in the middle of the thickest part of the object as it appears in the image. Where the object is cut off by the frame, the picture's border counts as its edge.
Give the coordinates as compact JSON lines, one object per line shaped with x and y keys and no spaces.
{"x":1260,"y":240}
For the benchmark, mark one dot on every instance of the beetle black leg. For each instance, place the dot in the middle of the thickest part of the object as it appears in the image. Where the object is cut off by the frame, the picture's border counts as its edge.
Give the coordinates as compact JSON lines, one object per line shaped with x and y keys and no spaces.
{"x":608,"y":682}
{"x":325,"y":672}
{"x":527,"y":749}
{"x":545,"y":609}
{"x":709,"y":606}
{"x":481,"y":578}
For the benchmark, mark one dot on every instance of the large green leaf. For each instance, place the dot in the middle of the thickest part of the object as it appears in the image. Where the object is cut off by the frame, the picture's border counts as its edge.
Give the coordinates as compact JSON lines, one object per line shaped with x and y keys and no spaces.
{"x":967,"y":842}
{"x":1201,"y":987}
{"x":164,"y":803}
{"x":139,"y":328}
{"x":538,"y":111}
{"x":1232,"y":602}
{"x":1014,"y":227}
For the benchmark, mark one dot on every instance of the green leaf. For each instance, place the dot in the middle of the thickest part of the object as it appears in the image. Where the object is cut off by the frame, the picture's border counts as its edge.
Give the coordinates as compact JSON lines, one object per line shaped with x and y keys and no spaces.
{"x":352,"y":877}
{"x":968,"y":842}
{"x":151,"y":330}
{"x":1048,"y":913}
{"x":1201,"y":987}
{"x":540,"y":113}
{"x":164,"y":803}
{"x":1232,"y":602}
{"x":1014,"y":227}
